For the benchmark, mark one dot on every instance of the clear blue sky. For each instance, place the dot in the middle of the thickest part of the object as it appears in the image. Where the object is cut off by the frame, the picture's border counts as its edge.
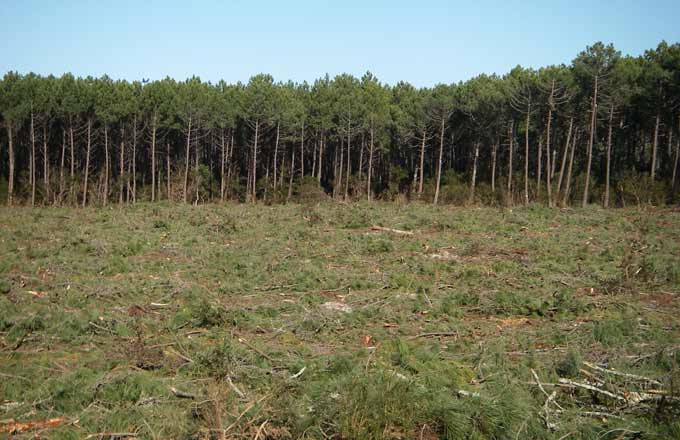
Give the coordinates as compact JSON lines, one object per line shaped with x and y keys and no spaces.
{"x":421,"y":41}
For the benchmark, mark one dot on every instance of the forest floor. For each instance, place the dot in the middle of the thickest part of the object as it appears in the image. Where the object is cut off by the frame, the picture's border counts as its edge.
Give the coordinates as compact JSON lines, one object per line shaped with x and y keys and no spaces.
{"x":339,"y":321}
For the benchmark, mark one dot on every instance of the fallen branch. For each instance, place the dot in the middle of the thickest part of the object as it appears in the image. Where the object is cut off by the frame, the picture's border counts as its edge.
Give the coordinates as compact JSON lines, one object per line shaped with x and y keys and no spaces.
{"x":635,"y":397}
{"x":235,"y":388}
{"x":623,"y":432}
{"x":431,"y":334}
{"x":549,"y":384}
{"x":391,"y":231}
{"x":13,"y":427}
{"x":618,"y":373}
{"x":550,"y":398}
{"x":260,"y":429}
{"x":7,"y":405}
{"x":14,"y":376}
{"x":148,"y":401}
{"x":546,"y":408}
{"x":181,"y":356}
{"x":463,"y":393}
{"x":594,"y":379}
{"x":535,"y":351}
{"x":257,"y":350}
{"x":298,"y":374}
{"x":101,"y":328}
{"x":592,"y":388}
{"x":240,"y":416}
{"x":181,"y":394}
{"x":538,"y":382}
{"x":278,"y":287}
{"x":600,"y":414}
{"x":158,"y":305}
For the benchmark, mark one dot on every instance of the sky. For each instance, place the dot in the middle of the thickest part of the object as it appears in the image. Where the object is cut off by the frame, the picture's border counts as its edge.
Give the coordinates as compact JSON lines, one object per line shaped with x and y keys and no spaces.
{"x":424,"y":42}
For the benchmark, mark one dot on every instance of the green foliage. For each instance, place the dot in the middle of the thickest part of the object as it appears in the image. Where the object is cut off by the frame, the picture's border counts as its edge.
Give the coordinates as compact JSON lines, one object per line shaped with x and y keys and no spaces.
{"x":307,"y":190}
{"x":615,"y":330}
{"x":213,"y":131}
{"x":636,"y":189}
{"x":205,"y":314}
{"x":570,"y":364}
{"x":219,"y":360}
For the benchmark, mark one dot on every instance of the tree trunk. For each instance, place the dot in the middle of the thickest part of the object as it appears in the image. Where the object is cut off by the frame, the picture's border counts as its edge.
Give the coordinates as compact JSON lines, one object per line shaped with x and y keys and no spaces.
{"x":211,"y":154}
{"x":153,"y":156}
{"x":370,"y":165}
{"x":32,"y":161}
{"x":439,"y":162}
{"x":159,"y":180}
{"x":675,"y":162}
{"x":122,"y":166}
{"x":230,"y":156}
{"x":10,"y":183}
{"x":292,"y":173}
{"x":593,"y":122}
{"x":249,"y":160}
{"x":46,"y":168}
{"x":61,"y":165}
{"x":87,"y":159}
{"x":302,"y":151}
{"x":474,"y":174}
{"x":494,"y":152}
{"x":655,"y":145}
{"x":72,"y":188}
{"x":316,"y":147}
{"x":276,"y":150}
{"x":186,"y":163}
{"x":539,"y":169}
{"x":526,"y":157}
{"x":223,"y":159}
{"x":549,"y":167}
{"x":168,"y":170}
{"x":106,"y":165}
{"x":349,"y":161}
{"x":422,"y":162}
{"x":565,"y":199}
{"x":510,"y":154}
{"x":134,"y":159}
{"x":564,"y":157}
{"x":321,"y":150}
{"x":669,"y":150}
{"x":361,"y":156}
{"x":128,"y":183}
{"x":553,"y":163}
{"x":197,"y":176}
{"x":609,"y":155}
{"x":266,"y":185}
{"x":254,"y":170}
{"x":340,"y":166}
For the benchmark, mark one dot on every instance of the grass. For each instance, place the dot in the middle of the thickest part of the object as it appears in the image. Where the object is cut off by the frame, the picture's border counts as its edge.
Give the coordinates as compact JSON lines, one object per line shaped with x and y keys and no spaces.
{"x":299,"y":321}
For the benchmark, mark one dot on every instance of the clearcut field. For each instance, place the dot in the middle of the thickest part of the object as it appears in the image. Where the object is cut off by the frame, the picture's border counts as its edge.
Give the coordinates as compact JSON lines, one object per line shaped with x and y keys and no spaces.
{"x":339,"y":321}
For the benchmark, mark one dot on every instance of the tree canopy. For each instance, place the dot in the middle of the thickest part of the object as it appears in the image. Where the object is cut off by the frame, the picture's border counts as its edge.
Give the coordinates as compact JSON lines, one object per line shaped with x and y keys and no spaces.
{"x":604,"y":124}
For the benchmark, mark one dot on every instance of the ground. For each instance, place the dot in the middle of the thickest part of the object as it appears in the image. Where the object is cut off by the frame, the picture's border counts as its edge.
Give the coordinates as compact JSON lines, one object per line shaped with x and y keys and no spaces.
{"x":311,"y":321}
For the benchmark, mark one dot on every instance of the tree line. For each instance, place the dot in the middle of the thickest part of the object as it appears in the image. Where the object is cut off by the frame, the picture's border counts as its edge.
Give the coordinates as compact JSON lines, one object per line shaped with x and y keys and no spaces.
{"x":604,"y":129}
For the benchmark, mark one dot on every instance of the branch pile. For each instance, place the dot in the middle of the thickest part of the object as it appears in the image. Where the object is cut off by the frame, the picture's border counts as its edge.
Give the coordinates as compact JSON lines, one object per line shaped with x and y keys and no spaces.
{"x":606,"y":394}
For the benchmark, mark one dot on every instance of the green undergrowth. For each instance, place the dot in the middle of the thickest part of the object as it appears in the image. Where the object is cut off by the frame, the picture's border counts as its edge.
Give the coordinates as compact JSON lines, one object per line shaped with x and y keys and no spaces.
{"x":303,"y":321}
